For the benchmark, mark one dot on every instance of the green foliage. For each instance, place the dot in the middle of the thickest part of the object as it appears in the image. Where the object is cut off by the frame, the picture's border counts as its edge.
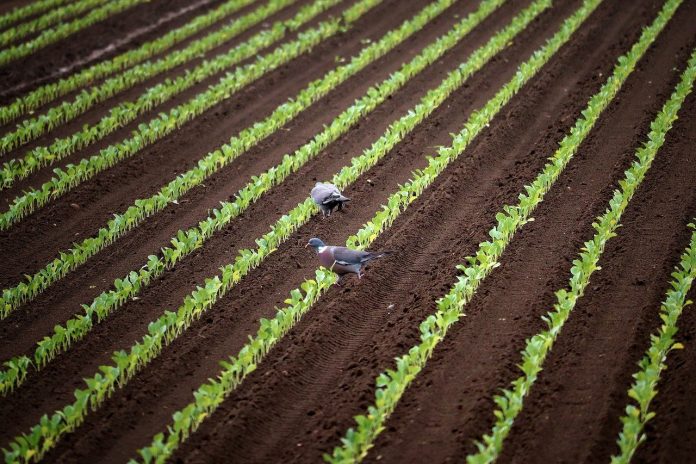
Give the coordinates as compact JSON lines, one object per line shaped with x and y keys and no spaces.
{"x":128,"y":111}
{"x":31,"y":9}
{"x":52,"y":91}
{"x":511,"y":400}
{"x":64,"y":30}
{"x":42,"y":22}
{"x":164,"y":330}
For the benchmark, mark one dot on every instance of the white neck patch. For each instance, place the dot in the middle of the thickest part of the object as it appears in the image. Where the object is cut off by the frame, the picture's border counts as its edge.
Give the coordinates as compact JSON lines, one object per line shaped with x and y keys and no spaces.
{"x":321,"y":249}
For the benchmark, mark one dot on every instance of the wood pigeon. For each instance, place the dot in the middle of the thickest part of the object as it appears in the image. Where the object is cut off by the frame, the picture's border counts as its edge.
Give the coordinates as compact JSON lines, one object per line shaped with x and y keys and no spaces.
{"x":343,"y":260}
{"x":328,"y":197}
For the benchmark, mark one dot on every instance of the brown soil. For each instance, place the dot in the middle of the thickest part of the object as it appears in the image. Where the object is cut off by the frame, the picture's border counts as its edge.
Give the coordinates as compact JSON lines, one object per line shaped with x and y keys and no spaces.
{"x":302,"y":398}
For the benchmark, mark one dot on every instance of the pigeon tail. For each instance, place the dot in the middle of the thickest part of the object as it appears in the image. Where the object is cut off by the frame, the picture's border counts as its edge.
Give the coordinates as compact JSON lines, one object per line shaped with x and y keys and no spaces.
{"x":376,"y":255}
{"x":335,"y":198}
{"x":340,"y":201}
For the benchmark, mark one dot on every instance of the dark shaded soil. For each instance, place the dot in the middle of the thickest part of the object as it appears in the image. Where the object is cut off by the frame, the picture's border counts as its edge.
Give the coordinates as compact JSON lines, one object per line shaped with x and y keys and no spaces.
{"x":302,"y":398}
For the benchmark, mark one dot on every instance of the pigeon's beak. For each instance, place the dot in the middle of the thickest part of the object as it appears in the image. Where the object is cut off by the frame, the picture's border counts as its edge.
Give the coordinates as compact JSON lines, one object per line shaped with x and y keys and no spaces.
{"x":306,"y":245}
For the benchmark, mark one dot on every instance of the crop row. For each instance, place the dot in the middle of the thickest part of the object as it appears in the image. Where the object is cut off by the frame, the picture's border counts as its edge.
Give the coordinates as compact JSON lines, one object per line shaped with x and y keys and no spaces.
{"x":47,"y":20}
{"x":209,"y":395}
{"x":165,"y":329}
{"x":391,"y":384}
{"x":127,"y":111}
{"x":510,"y":401}
{"x":62,"y":31}
{"x":33,"y":8}
{"x":50,"y":92}
{"x":205,"y":167}
{"x":644,"y":387}
{"x":164,"y":124}
{"x":187,"y":242}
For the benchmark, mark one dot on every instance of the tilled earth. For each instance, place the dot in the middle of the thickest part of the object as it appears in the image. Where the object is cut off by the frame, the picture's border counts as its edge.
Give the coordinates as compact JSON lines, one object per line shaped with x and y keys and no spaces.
{"x":303,"y":396}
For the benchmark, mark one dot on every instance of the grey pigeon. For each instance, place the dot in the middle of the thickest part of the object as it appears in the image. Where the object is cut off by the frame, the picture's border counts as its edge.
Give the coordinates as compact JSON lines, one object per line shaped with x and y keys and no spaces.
{"x":343,"y":260}
{"x":328,"y":197}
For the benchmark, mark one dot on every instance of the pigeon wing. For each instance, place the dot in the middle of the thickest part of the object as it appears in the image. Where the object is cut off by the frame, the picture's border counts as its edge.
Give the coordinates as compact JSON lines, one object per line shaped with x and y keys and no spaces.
{"x":323,"y":194}
{"x":347,"y":257}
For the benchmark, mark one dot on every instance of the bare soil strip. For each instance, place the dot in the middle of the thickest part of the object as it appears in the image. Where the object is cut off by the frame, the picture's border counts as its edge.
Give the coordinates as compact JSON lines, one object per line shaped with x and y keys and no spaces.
{"x":672,"y":433}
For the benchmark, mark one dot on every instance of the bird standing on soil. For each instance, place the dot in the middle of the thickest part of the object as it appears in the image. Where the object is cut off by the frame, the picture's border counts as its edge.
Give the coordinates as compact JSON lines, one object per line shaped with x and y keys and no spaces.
{"x":327,"y":197}
{"x":343,"y":260}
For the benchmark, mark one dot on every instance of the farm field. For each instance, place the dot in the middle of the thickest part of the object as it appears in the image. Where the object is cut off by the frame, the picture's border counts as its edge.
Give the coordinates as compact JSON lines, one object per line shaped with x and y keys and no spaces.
{"x":529,"y":164}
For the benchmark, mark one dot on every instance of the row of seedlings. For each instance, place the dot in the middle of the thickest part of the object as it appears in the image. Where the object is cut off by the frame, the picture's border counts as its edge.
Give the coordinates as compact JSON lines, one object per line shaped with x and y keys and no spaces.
{"x":645,"y":380}
{"x":148,"y":133}
{"x":49,"y":92}
{"x":54,"y":16}
{"x":61,"y":31}
{"x":119,"y":116}
{"x":186,"y":242}
{"x":33,"y":445}
{"x":34,"y":8}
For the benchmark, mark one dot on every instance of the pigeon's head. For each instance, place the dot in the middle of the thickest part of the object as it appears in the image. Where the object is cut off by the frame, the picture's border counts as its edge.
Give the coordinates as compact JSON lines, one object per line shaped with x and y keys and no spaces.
{"x":315,"y":243}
